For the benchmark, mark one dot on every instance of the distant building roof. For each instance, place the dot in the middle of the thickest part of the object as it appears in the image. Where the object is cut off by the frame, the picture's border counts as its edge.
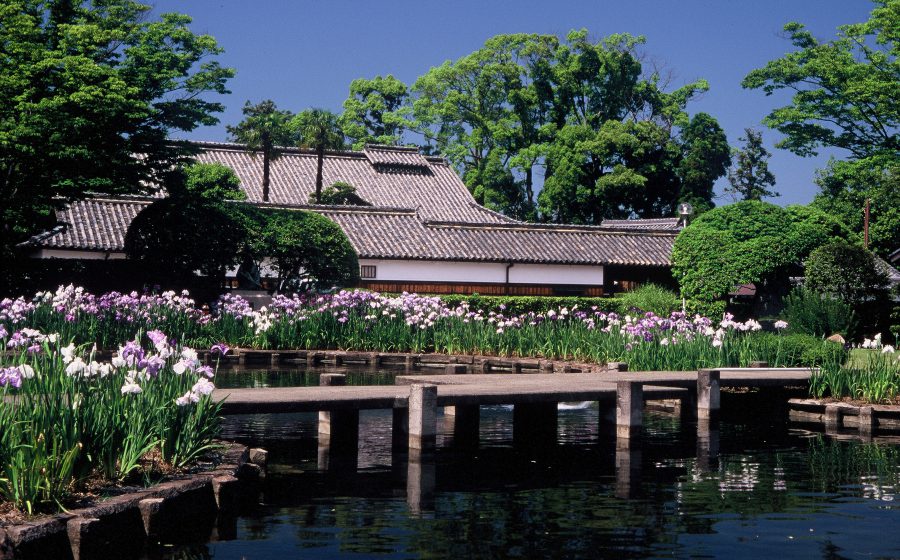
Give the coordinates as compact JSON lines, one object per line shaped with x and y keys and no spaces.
{"x":396,"y":178}
{"x":420,"y":210}
{"x":894,"y":257}
{"x":396,"y":233}
{"x":892,"y":273}
{"x":94,"y":224}
{"x":644,"y":224}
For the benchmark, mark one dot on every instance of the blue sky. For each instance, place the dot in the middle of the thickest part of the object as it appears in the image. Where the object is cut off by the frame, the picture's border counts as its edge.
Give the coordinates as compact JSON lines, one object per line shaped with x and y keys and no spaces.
{"x":305,"y":54}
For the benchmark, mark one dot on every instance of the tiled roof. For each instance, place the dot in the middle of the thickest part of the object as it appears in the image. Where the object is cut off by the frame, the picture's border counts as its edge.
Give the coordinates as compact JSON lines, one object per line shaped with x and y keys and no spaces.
{"x":404,"y":235}
{"x":396,"y":233}
{"x":892,"y":273}
{"x":643,"y":224}
{"x":391,"y":156}
{"x":421,"y":210}
{"x":434,"y":190}
{"x":95,"y":224}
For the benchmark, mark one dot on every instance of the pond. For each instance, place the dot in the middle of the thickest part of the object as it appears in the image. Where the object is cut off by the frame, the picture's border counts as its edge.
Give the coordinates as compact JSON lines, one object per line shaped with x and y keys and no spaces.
{"x":771,"y":490}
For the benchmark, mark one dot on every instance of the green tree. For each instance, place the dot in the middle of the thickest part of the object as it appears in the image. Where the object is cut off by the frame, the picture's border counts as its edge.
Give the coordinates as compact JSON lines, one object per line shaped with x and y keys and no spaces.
{"x":746,"y":242}
{"x":846,"y":185}
{"x":705,"y":157}
{"x":750,"y":177}
{"x":845,"y":271}
{"x":212,"y":182}
{"x":846,"y":95}
{"x":84,"y":87}
{"x":376,"y":112}
{"x":308,"y":250}
{"x":487,"y":113}
{"x":318,"y":129}
{"x":171,"y":236}
{"x":610,"y":141}
{"x":264,"y":129}
{"x":340,"y":194}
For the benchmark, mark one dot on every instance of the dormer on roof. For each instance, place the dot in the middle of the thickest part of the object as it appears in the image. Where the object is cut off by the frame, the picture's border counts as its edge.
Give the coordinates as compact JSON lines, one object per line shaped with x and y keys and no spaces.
{"x":396,"y":158}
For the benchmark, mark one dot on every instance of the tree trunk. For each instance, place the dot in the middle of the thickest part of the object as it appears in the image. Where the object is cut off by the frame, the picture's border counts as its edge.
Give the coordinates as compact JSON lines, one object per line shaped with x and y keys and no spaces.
{"x":320,"y":153}
{"x":265,"y":176}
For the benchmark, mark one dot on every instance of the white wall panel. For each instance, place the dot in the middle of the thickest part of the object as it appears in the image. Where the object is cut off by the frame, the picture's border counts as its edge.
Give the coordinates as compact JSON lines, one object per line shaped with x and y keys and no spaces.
{"x":471,"y":272}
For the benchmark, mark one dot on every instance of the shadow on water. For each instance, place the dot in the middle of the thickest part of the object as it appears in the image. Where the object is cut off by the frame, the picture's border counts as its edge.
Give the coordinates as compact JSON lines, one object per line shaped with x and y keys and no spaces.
{"x":746,"y":487}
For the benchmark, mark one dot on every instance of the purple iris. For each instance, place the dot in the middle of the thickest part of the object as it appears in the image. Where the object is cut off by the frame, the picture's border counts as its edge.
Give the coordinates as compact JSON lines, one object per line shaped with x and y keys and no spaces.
{"x":152,"y":364}
{"x":220,"y":348}
{"x":132,"y":350}
{"x":10,"y":377}
{"x":157,"y":337}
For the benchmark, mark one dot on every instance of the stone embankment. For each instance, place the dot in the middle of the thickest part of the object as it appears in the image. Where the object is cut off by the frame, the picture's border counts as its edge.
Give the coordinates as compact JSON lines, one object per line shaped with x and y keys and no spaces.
{"x":868,"y":419}
{"x":200,"y":505}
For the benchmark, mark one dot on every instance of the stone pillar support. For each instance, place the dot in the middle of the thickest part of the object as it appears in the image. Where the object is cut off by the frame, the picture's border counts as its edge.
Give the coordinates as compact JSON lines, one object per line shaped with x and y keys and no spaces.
{"x":422,"y":417}
{"x":833,"y":418}
{"x":708,"y":395}
{"x":866,"y":421}
{"x":338,"y":431}
{"x":629,"y":409}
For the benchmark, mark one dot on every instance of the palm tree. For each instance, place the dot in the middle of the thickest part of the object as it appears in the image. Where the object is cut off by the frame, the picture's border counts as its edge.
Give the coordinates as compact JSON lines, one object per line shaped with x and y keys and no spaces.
{"x":263,"y":129}
{"x":319,"y":129}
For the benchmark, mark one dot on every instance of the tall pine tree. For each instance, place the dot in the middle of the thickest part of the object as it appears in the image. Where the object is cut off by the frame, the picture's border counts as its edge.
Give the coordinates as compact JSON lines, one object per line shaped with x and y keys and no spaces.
{"x":750,"y":177}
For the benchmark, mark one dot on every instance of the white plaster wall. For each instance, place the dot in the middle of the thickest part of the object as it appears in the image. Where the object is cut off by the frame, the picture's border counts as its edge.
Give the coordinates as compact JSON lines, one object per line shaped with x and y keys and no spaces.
{"x":495,"y":273}
{"x":556,"y":274}
{"x":437,"y":271}
{"x":90,"y":255}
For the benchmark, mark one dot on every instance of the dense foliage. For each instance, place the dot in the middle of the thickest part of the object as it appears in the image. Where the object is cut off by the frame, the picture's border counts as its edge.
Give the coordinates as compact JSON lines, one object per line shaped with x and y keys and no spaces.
{"x":340,"y":194}
{"x":610,"y":140}
{"x":264,"y":130}
{"x":847,"y":185}
{"x":750,"y":178}
{"x":307,"y":250}
{"x":811,"y":312}
{"x":847,"y":272}
{"x":845,"y":95}
{"x":171,"y":237}
{"x":746,"y":242}
{"x":65,"y":417}
{"x":84,"y":87}
{"x":376,"y":112}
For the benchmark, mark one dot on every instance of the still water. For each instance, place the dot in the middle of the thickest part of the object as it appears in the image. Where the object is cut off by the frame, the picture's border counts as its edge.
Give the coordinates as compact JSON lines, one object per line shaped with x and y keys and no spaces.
{"x":767,"y":491}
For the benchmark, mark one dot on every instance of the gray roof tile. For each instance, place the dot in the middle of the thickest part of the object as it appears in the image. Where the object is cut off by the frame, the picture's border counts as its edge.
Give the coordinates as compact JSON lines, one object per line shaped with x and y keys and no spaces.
{"x":421,"y":210}
{"x":435,"y":191}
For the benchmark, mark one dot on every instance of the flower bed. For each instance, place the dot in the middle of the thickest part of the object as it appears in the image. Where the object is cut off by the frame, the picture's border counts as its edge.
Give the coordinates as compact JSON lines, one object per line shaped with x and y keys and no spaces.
{"x":66,"y":419}
{"x":367,"y":321}
{"x":873,"y":376}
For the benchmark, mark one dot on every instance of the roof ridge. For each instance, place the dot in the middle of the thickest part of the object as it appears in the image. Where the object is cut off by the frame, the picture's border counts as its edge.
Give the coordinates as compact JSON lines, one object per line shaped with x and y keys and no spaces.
{"x":335,"y":208}
{"x":235,"y":146}
{"x":563,"y":228}
{"x":389,"y":148}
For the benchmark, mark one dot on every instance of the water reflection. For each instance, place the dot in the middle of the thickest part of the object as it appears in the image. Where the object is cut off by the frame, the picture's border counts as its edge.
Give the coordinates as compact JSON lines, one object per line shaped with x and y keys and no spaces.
{"x":745,"y":487}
